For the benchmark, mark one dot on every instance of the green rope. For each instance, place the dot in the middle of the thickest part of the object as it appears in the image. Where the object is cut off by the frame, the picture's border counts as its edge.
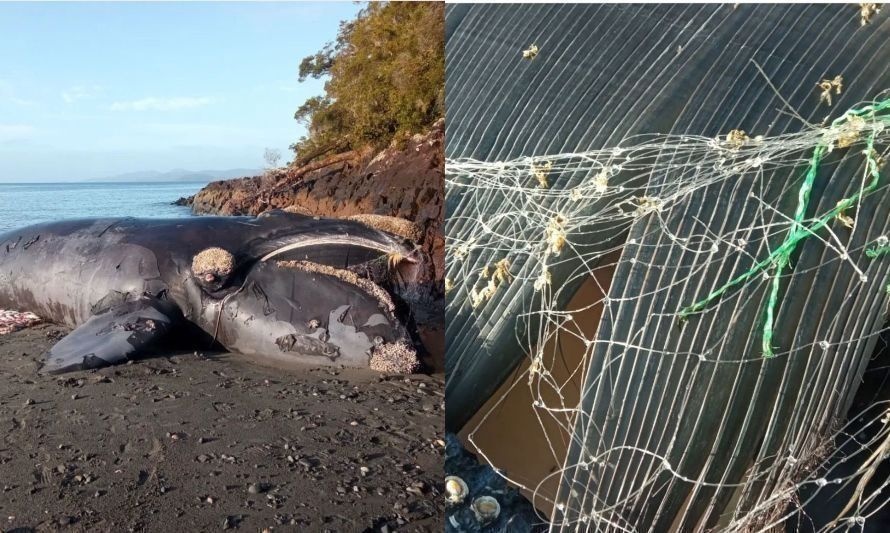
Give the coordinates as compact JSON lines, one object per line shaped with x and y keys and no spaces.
{"x":780,"y":258}
{"x":877,"y":251}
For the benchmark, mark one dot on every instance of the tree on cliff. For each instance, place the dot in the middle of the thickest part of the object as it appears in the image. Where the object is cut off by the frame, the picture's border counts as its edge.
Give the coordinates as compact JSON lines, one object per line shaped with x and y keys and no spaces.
{"x":385,"y":80}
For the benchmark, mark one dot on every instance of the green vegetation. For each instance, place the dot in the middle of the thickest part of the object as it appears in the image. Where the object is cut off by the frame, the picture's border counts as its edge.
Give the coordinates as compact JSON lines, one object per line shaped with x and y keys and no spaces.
{"x":385,"y":80}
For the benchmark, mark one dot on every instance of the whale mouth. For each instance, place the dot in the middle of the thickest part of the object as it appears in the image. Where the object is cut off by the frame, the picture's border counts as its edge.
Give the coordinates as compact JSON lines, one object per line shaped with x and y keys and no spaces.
{"x":314,"y":313}
{"x":365,"y":284}
{"x":403,"y":252}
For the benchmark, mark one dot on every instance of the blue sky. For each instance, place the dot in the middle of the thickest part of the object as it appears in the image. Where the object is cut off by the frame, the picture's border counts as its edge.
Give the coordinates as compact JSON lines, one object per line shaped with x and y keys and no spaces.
{"x":96,"y":89}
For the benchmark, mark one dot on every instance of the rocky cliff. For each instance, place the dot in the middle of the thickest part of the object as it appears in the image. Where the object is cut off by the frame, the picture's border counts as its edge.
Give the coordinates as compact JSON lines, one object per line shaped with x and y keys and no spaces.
{"x":404,"y":182}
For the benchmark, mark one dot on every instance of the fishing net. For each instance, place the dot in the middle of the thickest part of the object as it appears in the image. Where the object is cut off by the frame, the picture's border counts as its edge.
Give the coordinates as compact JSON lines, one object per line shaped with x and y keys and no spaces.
{"x":738,"y":286}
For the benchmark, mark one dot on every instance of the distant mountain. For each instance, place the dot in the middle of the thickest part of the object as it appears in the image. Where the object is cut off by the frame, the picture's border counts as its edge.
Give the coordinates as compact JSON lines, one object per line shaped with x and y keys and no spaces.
{"x":180,"y":174}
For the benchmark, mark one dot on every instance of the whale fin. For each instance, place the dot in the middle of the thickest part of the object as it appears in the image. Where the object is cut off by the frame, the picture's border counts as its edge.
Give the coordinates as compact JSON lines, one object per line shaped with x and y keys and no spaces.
{"x":113,"y":336}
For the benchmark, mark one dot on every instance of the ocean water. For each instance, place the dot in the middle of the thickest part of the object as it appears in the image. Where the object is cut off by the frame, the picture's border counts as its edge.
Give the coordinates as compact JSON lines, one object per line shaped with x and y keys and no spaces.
{"x":23,"y":204}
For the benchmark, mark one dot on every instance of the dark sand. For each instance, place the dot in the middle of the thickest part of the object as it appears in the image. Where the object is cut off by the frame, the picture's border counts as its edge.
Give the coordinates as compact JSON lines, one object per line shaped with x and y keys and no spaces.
{"x":189,"y":443}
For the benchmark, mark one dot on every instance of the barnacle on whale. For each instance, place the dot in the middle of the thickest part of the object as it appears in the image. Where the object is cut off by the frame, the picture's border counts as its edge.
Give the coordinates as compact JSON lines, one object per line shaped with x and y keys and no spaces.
{"x":394,"y":358}
{"x":213,"y":263}
{"x":456,"y":489}
{"x":397,"y":226}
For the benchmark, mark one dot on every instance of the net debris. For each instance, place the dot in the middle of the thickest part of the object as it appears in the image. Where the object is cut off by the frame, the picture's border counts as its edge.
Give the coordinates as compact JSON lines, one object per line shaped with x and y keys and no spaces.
{"x":536,"y":226}
{"x":826,"y":86}
{"x":531,"y":52}
{"x":868,"y":12}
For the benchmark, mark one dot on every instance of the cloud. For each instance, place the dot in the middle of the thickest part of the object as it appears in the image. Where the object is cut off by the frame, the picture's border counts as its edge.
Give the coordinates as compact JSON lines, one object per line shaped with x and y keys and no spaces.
{"x":22,"y":102}
{"x":8,"y":94}
{"x":81,"y":92}
{"x":181,"y":133}
{"x":162,"y":104}
{"x":15,"y":132}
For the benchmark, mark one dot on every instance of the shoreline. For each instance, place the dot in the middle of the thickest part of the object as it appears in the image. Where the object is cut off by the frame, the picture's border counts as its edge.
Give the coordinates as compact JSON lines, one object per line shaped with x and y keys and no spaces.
{"x":222,"y":442}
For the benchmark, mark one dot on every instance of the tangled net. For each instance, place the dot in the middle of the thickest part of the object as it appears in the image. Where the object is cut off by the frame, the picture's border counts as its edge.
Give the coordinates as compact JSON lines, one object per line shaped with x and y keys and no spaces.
{"x":550,"y":222}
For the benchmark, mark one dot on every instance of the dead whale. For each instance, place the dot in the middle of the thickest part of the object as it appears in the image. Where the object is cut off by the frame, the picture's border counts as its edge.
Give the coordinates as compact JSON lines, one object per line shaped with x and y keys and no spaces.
{"x":279,"y":286}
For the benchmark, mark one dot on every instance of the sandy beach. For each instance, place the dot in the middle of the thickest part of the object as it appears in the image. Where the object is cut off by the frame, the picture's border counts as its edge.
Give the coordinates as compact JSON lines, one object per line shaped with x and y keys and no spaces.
{"x":210,"y":442}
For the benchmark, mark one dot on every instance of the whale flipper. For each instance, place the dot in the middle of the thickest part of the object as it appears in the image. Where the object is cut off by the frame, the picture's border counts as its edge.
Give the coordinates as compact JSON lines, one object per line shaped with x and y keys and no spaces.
{"x":113,"y":336}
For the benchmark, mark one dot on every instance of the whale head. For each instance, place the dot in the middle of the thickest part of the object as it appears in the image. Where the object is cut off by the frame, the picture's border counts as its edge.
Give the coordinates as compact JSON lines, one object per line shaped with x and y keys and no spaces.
{"x":315,"y":296}
{"x":298,"y":311}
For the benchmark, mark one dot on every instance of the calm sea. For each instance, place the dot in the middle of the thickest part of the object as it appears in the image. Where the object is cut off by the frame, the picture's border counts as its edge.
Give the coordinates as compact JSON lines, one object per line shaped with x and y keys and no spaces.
{"x":22,"y":204}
